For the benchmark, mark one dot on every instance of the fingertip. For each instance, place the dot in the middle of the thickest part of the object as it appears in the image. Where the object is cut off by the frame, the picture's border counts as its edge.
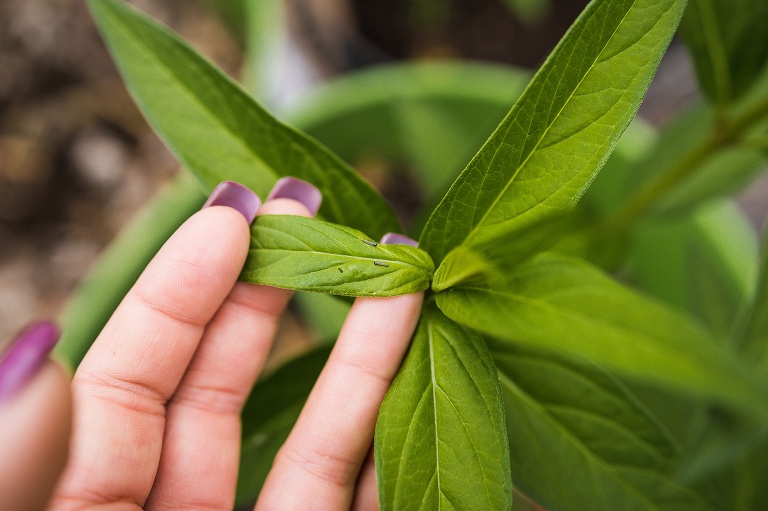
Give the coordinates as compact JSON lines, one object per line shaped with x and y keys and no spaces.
{"x":283,"y":206}
{"x":237,"y":197}
{"x":35,"y":428}
{"x":298,"y":190}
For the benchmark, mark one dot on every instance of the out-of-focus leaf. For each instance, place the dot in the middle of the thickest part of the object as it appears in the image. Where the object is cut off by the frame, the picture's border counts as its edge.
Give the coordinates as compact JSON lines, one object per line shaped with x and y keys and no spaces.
{"x":563,"y":304}
{"x":717,"y":174}
{"x":232,"y":12}
{"x":580,"y":441}
{"x":269,"y":415}
{"x":265,"y":36}
{"x":219,"y":132}
{"x":325,"y":313}
{"x":702,"y":263}
{"x":550,"y":146}
{"x":530,"y":12}
{"x":432,"y":115}
{"x":742,"y":486}
{"x":755,"y":337}
{"x":120,"y":265}
{"x":729,"y":44}
{"x":307,"y":254}
{"x":440,"y":438}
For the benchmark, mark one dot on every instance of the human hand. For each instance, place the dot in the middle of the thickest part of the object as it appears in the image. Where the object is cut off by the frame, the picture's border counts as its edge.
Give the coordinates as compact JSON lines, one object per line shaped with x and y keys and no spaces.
{"x":158,"y":397}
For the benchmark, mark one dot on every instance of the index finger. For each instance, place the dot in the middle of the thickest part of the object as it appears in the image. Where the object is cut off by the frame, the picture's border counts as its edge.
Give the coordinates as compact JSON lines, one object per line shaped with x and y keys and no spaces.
{"x":136,"y":363}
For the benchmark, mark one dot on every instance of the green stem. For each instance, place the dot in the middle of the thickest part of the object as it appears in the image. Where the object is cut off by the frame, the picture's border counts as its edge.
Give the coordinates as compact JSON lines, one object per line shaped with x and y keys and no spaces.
{"x":722,"y":135}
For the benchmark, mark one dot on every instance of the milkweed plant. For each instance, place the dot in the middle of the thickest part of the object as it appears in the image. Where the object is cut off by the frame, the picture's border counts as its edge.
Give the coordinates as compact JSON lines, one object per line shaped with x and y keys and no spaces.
{"x":594,"y":342}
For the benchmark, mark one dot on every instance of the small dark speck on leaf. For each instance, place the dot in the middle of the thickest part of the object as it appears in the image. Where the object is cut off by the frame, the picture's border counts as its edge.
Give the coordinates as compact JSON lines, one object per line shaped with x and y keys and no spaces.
{"x":340,"y":270}
{"x":380,"y":263}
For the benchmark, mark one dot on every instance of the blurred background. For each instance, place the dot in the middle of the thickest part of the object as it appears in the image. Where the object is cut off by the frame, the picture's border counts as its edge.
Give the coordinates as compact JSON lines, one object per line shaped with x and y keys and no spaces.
{"x":77,"y":160}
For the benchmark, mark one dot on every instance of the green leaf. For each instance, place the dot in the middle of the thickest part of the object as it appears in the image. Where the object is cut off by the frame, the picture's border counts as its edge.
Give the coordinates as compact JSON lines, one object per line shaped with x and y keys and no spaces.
{"x":311,"y":255}
{"x":231,"y":12}
{"x":700,"y":263}
{"x":579,"y":440}
{"x":550,"y":146}
{"x":494,"y":258}
{"x":742,"y":486}
{"x":729,"y":44}
{"x":754,"y":341}
{"x":432,"y":115}
{"x":269,"y":415}
{"x":219,"y":132}
{"x":564,"y":304}
{"x":265,"y":37}
{"x":440,"y":439}
{"x":530,"y":12}
{"x":324,"y":313}
{"x":118,"y":268}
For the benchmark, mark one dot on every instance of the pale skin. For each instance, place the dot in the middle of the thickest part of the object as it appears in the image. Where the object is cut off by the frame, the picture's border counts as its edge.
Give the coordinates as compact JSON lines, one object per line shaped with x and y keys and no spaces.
{"x":155,"y":404}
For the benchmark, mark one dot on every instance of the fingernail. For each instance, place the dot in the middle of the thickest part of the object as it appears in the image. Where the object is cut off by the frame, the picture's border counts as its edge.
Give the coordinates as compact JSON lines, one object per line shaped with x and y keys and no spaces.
{"x":393,"y":238}
{"x":25,"y":356}
{"x":298,"y":190}
{"x":236,"y":196}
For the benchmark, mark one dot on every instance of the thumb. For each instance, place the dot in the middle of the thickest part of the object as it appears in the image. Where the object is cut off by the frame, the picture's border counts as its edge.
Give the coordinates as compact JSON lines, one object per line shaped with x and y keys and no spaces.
{"x":35,"y":417}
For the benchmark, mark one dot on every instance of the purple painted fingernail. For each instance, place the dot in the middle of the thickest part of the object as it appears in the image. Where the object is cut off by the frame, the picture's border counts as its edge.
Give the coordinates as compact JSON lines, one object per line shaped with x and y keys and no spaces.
{"x":236,"y":196}
{"x":393,"y":238}
{"x":25,"y":356}
{"x":298,"y":190}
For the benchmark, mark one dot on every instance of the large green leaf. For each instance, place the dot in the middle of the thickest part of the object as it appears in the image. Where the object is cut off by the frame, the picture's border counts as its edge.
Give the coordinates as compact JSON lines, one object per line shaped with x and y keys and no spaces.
{"x":580,"y":441}
{"x":550,"y":146}
{"x":311,"y":255}
{"x":729,"y":44}
{"x":562,"y":303}
{"x":440,"y":438}
{"x":269,"y":415}
{"x":218,"y":131}
{"x":118,"y":268}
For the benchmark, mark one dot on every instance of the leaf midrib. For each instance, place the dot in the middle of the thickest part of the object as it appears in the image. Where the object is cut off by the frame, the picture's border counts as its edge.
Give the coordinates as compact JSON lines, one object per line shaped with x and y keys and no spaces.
{"x":434,"y":410}
{"x":495,"y":202}
{"x":415,"y":267}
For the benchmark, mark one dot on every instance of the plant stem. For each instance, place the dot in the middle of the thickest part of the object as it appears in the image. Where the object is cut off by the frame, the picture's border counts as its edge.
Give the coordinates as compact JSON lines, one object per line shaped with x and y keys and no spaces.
{"x":721,"y":136}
